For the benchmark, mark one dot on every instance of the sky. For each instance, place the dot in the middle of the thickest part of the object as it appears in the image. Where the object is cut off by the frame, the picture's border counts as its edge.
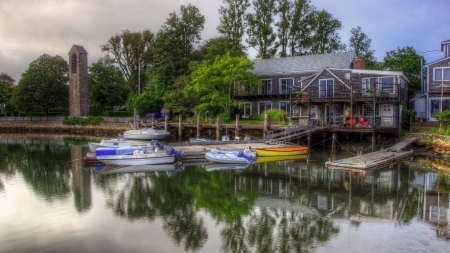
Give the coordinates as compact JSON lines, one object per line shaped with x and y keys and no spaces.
{"x":30,"y":28}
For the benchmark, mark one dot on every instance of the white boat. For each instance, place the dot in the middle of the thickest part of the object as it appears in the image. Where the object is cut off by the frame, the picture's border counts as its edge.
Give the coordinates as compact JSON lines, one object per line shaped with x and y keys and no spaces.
{"x":235,"y":157}
{"x":137,"y":159}
{"x":109,"y":143}
{"x":145,"y":134}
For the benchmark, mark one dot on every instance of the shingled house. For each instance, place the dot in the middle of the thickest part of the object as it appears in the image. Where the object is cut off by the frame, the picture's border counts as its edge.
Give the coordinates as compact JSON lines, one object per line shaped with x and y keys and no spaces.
{"x":435,"y":93}
{"x":337,"y":91}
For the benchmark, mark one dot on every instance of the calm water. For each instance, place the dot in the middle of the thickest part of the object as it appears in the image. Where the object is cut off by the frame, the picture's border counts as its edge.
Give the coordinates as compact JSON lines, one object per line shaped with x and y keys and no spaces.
{"x":51,"y":202}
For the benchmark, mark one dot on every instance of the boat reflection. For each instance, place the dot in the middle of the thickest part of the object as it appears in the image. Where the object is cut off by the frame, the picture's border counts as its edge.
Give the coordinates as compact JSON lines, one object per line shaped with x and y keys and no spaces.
{"x":136,"y":169}
{"x":225,"y":166}
{"x":267,"y":159}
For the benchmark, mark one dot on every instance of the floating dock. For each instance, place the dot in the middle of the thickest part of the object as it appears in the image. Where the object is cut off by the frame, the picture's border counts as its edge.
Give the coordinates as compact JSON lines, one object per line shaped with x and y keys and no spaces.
{"x":375,"y":160}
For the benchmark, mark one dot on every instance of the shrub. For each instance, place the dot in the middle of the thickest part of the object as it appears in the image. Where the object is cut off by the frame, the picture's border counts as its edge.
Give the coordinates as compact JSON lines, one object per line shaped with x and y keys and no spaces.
{"x":91,"y":120}
{"x":275,"y":116}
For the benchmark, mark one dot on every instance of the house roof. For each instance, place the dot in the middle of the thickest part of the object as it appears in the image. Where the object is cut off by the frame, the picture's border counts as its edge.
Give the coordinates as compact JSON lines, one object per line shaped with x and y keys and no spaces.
{"x":305,"y":63}
{"x":444,"y":43}
{"x":80,"y":49}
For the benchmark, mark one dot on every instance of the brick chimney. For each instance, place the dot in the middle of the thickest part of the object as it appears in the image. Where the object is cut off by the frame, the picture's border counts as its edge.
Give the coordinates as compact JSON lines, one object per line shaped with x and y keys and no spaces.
{"x":359,"y":63}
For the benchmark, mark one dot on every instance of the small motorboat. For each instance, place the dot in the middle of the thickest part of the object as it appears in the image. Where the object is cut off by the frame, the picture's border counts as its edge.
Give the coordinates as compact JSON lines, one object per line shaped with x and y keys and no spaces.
{"x":145,"y":134}
{"x":228,"y":156}
{"x":109,"y":143}
{"x":281,"y":151}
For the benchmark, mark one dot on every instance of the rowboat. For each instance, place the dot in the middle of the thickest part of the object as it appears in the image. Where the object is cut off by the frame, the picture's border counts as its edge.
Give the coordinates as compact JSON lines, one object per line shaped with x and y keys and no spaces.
{"x":268,"y":159}
{"x":235,"y":157}
{"x":281,"y":151}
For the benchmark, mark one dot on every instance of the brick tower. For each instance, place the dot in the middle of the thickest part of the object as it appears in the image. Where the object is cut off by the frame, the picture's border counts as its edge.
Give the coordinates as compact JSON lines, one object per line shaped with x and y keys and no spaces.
{"x":78,"y":81}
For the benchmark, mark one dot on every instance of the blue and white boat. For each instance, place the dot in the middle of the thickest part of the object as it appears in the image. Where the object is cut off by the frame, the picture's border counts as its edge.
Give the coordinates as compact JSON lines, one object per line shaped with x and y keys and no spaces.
{"x":229,"y":156}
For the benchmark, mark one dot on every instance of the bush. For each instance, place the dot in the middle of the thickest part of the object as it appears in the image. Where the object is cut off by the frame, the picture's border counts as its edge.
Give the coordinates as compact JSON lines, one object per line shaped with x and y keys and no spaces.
{"x":275,"y":116}
{"x":91,"y":120}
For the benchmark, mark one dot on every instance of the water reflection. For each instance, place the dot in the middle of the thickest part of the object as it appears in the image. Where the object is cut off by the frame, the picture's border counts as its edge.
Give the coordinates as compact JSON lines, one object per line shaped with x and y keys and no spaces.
{"x":285,"y":206}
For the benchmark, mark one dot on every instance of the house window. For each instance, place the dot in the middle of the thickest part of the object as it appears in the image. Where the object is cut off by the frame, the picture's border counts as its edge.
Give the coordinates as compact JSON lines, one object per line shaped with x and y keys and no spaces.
{"x":368,"y":111}
{"x":286,"y":85}
{"x":386,"y":84}
{"x":313,"y":112}
{"x":264,"y":106}
{"x":285,"y":106}
{"x":244,"y":90}
{"x":266,"y":88}
{"x":247,"y":109}
{"x":441,"y":74}
{"x":367,"y":83}
{"x":436,"y":105}
{"x":326,"y":88}
{"x":73,"y":63}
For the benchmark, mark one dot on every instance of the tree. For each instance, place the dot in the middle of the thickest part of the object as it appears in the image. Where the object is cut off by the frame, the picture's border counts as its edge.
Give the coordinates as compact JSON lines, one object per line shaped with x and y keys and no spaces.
{"x":324,"y":37}
{"x":43,"y":85}
{"x":260,"y":32}
{"x":133,"y":52}
{"x":232,"y":22}
{"x":107,"y":85}
{"x":284,"y":9}
{"x":175,"y":100}
{"x":175,"y":43}
{"x":359,"y":42}
{"x":215,"y":85}
{"x":218,"y":46}
{"x":407,"y":60}
{"x":300,"y":29}
{"x":6,"y":87}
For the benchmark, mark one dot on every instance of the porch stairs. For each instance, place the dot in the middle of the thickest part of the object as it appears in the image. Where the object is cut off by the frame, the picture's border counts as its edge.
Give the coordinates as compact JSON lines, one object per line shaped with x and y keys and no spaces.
{"x":288,"y":135}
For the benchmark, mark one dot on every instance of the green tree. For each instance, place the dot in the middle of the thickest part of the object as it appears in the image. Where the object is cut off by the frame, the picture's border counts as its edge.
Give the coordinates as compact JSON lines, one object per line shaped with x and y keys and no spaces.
{"x":175,"y":43}
{"x":359,"y":42}
{"x":107,"y":87}
{"x":284,"y":10}
{"x":407,"y":60}
{"x":43,"y":85}
{"x":300,"y":28}
{"x":260,"y":32}
{"x":174,"y":98}
{"x":218,"y":46}
{"x":134,"y":52}
{"x":6,"y":87}
{"x":324,"y":37}
{"x":232,"y":22}
{"x":215,"y":85}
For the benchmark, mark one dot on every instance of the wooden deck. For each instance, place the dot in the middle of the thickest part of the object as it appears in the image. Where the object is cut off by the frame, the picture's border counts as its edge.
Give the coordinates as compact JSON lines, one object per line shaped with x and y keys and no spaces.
{"x":376,"y":159}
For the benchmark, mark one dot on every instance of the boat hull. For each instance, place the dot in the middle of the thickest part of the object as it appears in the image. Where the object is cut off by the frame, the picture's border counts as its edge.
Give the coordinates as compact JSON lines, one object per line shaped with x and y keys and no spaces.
{"x":281,"y":151}
{"x":226,"y":158}
{"x":142,"y":159}
{"x":108,"y":143}
{"x":145,"y":134}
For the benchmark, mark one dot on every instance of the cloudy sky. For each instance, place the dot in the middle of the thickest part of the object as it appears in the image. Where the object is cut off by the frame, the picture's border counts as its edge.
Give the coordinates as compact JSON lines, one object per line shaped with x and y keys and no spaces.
{"x":30,"y":28}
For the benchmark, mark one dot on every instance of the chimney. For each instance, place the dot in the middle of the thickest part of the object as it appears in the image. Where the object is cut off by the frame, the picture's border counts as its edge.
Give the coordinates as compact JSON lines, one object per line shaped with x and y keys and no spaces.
{"x":359,"y":63}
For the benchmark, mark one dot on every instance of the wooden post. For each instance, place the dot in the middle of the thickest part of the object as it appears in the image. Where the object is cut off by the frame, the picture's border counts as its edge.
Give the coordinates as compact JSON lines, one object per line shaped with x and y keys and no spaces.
{"x":180,"y":126}
{"x":218,"y":127}
{"x":309,"y":140}
{"x":153,"y":119}
{"x":166,"y":122}
{"x":198,"y":126}
{"x":266,"y":125}
{"x":373,"y":141}
{"x":236,"y":137}
{"x":333,"y":148}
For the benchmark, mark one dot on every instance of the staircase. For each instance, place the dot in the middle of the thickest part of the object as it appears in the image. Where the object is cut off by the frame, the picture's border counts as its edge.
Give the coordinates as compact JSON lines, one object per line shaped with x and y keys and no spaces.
{"x":288,"y":135}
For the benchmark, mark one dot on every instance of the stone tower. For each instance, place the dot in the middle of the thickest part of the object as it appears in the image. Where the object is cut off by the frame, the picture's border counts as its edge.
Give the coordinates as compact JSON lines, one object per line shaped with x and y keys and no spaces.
{"x":78,"y":81}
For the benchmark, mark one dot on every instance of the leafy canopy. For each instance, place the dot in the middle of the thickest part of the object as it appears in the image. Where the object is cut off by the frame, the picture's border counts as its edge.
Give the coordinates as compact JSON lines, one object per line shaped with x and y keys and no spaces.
{"x":6,"y":87}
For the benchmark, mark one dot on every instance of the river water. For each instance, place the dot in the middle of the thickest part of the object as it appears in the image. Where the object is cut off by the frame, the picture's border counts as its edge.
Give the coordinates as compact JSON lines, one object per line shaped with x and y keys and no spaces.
{"x":51,"y":202}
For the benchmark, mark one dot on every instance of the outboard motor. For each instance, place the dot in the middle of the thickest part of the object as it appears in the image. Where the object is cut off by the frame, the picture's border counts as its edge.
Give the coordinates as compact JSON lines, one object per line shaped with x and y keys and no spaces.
{"x":241,"y":154}
{"x":156,"y":143}
{"x":172,"y":151}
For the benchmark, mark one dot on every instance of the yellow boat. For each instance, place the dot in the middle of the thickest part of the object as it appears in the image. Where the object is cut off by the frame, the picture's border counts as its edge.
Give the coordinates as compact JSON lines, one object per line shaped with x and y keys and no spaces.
{"x":281,"y":151}
{"x":268,"y":159}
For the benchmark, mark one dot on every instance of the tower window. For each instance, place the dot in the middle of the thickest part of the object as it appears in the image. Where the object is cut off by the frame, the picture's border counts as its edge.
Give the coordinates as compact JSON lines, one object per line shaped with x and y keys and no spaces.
{"x":73,"y":63}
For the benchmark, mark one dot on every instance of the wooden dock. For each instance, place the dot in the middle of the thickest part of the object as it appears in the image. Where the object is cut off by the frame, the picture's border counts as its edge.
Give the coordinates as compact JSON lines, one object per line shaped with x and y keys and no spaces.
{"x":375,"y":160}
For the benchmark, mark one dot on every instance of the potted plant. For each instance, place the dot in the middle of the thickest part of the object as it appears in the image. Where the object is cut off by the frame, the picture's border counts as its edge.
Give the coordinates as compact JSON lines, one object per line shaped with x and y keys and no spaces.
{"x":383,"y":93}
{"x":299,"y":93}
{"x":369,"y":92}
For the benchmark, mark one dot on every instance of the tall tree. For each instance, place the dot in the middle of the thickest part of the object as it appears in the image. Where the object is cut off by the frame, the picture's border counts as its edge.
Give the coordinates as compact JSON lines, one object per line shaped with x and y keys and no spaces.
{"x":324,"y":37}
{"x":260,"y":32}
{"x":359,"y":42}
{"x":284,"y":24}
{"x":133,"y":52}
{"x":300,"y":28}
{"x":43,"y":85}
{"x":214,"y":47}
{"x":407,"y":60}
{"x":232,"y":22}
{"x":6,"y":87}
{"x":215,"y":85}
{"x":175,"y":43}
{"x":107,"y":85}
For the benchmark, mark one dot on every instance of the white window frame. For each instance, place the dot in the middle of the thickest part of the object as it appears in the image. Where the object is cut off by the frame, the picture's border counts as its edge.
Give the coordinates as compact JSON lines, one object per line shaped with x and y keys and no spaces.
{"x":264,"y":89}
{"x":245,"y":104}
{"x":288,"y":88}
{"x":365,"y":84}
{"x":259,"y":107}
{"x":326,"y":87}
{"x":443,"y":71}
{"x":380,"y":84}
{"x":288,"y":107}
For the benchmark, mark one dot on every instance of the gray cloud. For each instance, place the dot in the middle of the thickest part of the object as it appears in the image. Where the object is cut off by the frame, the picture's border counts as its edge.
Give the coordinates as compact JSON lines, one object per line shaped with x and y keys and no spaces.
{"x":30,"y":28}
